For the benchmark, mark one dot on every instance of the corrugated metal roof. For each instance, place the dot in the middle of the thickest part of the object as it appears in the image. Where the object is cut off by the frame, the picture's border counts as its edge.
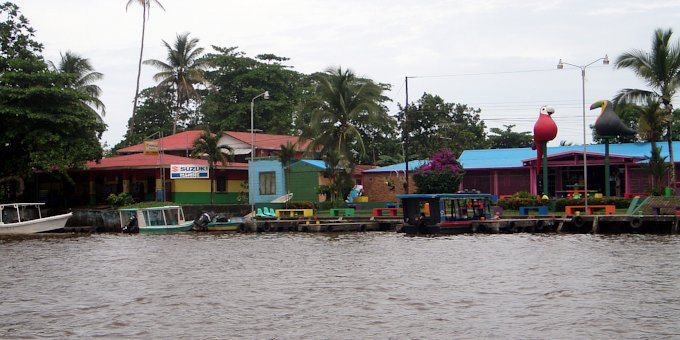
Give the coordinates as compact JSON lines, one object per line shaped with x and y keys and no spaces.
{"x":185,"y":140}
{"x":513,"y":158}
{"x":400,"y":167}
{"x":140,"y":160}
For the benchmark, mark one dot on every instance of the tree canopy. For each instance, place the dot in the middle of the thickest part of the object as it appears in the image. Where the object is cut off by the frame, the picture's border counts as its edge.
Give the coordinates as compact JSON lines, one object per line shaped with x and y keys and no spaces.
{"x":433,"y":124}
{"x":45,"y":126}
{"x":505,"y":139}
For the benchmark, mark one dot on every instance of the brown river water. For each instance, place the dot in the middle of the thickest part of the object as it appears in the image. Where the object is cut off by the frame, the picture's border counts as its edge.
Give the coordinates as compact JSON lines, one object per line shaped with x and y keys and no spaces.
{"x":339,"y":286}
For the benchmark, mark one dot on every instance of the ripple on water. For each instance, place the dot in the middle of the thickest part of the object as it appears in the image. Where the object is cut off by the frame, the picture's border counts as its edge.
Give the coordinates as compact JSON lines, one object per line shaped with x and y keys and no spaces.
{"x":345,"y":286}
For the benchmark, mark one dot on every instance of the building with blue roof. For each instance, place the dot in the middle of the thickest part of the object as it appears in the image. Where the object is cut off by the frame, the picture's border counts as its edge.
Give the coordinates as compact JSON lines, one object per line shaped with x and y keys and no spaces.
{"x":507,"y":171}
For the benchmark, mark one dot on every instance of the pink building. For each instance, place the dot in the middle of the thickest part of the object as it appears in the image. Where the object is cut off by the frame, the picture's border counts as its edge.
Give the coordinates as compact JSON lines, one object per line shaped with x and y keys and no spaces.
{"x":507,"y":171}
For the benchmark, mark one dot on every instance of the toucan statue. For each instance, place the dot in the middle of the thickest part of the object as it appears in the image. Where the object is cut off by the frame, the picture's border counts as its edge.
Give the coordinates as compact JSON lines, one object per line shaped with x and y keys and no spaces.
{"x":609,"y":124}
{"x":545,"y":130}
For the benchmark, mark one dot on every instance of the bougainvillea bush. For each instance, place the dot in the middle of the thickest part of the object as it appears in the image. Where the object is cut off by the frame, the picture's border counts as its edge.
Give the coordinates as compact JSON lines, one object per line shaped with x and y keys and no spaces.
{"x":442,"y":175}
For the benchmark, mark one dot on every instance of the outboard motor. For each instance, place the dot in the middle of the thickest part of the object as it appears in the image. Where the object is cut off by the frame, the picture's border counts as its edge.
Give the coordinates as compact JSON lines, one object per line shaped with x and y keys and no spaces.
{"x":201,"y":223}
{"x":132,"y":227}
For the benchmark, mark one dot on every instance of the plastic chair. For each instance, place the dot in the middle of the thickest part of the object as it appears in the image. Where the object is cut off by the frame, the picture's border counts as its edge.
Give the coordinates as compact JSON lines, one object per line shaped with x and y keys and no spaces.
{"x":269,"y":212}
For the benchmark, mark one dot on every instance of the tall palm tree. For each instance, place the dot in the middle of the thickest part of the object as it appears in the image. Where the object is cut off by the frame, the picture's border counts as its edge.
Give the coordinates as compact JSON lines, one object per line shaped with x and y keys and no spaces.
{"x":341,"y":101}
{"x":84,"y":78}
{"x":146,"y":5}
{"x":182,"y":70}
{"x":660,"y":69}
{"x":207,"y":146}
{"x":286,"y":157}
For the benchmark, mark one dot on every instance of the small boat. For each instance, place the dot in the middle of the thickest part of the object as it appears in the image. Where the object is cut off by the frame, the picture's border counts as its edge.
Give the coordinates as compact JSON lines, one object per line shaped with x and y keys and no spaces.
{"x":445,"y":213}
{"x":26,"y":218}
{"x":227,"y":224}
{"x":210,"y":222}
{"x":155,"y":219}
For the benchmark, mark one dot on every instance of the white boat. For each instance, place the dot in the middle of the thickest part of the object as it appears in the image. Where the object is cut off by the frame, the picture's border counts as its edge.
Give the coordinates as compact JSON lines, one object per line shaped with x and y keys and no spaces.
{"x":26,"y":218}
{"x":156,"y":219}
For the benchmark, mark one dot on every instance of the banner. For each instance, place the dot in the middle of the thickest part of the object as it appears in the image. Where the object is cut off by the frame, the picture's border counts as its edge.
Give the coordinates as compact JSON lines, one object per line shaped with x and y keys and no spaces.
{"x":151,"y":147}
{"x":183,"y":171}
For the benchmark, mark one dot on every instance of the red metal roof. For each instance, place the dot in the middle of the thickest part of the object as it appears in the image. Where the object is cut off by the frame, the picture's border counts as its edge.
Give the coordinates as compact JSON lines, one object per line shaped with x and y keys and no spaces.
{"x":140,"y":160}
{"x":267,"y":141}
{"x":179,"y":141}
{"x":185,"y":140}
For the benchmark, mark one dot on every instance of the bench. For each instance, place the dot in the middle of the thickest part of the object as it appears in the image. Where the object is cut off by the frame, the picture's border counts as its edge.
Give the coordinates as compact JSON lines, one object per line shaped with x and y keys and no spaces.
{"x":380,"y":211}
{"x":656,"y":209}
{"x":608,"y":209}
{"x":541,"y":210}
{"x":294,"y":212}
{"x":342,"y":212}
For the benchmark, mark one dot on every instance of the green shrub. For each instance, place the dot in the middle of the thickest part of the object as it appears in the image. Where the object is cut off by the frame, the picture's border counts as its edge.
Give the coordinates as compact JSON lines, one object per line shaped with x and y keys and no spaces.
{"x":119,"y":200}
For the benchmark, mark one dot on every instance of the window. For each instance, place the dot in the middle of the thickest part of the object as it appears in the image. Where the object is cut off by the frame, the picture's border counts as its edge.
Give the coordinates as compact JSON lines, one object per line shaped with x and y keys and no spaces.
{"x":268,"y":183}
{"x":221,"y":183}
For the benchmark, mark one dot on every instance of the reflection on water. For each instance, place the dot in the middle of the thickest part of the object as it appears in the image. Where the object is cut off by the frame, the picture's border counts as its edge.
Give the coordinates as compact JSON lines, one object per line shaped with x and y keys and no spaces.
{"x":340,"y":286}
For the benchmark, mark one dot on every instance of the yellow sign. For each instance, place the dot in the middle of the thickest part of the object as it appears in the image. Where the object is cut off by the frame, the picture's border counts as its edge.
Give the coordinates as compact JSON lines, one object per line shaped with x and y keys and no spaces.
{"x":151,"y":147}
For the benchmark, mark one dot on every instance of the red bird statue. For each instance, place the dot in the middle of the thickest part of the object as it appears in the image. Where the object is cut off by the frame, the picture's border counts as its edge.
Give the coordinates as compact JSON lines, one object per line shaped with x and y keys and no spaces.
{"x":545,"y":130}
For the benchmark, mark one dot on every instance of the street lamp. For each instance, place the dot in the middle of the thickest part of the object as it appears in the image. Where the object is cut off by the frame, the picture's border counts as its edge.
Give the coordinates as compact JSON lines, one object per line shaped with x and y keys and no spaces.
{"x":560,"y":65}
{"x":251,"y":174}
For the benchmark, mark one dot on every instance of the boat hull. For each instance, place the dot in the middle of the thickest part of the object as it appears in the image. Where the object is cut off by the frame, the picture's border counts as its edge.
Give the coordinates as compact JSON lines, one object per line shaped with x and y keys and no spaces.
{"x":443,"y":229}
{"x":224,"y":226}
{"x":36,"y":226}
{"x":166,"y":228}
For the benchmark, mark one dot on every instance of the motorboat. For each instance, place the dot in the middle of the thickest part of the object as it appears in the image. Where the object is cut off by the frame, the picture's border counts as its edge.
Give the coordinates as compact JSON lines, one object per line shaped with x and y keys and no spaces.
{"x":153,"y":219}
{"x":27,"y":218}
{"x":456,"y":213}
{"x":211,"y":222}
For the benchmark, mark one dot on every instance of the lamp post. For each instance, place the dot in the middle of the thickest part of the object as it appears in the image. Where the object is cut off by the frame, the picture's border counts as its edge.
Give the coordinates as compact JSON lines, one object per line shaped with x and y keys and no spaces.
{"x":251,"y":174}
{"x":560,"y":65}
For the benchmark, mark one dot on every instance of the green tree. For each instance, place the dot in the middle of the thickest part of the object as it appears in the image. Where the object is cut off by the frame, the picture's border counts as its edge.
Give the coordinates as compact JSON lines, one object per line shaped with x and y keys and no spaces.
{"x":341,"y":101}
{"x":660,"y":69}
{"x":182,"y":71}
{"x":433,"y":124}
{"x":207,"y":145}
{"x":507,"y":139}
{"x":146,"y":7}
{"x":651,"y":121}
{"x":44,"y":125}
{"x":340,"y":178}
{"x":287,"y":157}
{"x":237,"y":79}
{"x":83,"y":79}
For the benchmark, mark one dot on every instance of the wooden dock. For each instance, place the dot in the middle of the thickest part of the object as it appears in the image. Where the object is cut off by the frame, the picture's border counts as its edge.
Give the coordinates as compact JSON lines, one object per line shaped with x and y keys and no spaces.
{"x":595,"y":224}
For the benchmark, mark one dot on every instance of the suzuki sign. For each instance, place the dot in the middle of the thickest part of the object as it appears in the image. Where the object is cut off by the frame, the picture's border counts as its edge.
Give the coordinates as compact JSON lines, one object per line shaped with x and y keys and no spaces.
{"x":183,"y":171}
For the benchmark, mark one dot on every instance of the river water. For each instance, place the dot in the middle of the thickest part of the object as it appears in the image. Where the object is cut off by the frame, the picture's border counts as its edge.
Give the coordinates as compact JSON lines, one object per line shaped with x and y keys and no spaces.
{"x":339,"y":286}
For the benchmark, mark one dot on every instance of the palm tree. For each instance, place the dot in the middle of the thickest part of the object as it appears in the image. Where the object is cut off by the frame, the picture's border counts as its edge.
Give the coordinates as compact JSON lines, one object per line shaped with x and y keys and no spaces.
{"x":286,"y":157}
{"x":207,"y":146}
{"x":652,"y":119}
{"x":660,"y":69}
{"x":83,"y":80}
{"x":146,"y":5}
{"x":341,"y":101}
{"x":182,"y":70}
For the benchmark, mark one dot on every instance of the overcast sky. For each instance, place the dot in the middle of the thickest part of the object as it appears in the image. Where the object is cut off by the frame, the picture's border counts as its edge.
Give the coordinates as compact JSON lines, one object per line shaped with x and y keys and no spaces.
{"x":499,"y":56}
